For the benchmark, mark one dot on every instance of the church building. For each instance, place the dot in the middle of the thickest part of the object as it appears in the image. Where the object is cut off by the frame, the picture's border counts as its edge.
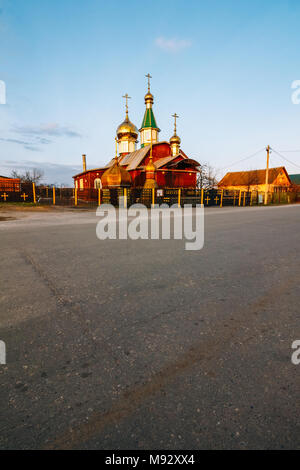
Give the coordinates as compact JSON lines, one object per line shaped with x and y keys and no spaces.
{"x":154,"y":165}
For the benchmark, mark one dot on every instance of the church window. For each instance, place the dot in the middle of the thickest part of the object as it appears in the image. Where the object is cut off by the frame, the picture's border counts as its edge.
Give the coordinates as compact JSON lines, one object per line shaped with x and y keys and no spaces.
{"x":97,"y":183}
{"x":81,"y":184}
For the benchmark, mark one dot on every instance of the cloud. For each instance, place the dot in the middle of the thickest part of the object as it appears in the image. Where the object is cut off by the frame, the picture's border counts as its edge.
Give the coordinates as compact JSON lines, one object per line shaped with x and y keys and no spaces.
{"x":32,"y":148}
{"x":172,"y":45}
{"x":14,"y":141}
{"x":51,"y":129}
{"x":35,"y":136}
{"x":24,"y":142}
{"x":28,"y":145}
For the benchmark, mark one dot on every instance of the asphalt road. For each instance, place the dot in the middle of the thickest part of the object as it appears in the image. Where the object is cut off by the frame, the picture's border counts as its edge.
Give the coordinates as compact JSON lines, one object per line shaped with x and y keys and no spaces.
{"x":143,"y":345}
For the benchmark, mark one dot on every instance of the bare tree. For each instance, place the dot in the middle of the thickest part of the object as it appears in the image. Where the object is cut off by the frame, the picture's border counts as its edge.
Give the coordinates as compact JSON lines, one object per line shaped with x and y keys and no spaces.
{"x":30,"y":176}
{"x":207,"y":177}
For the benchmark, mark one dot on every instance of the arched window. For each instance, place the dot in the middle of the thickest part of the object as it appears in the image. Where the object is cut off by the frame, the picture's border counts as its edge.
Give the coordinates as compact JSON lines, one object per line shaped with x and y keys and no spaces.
{"x":97,"y":183}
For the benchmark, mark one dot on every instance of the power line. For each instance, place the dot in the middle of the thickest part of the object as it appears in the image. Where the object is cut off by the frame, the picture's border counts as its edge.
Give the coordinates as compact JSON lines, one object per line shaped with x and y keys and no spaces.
{"x":244,"y":159}
{"x":286,"y":159}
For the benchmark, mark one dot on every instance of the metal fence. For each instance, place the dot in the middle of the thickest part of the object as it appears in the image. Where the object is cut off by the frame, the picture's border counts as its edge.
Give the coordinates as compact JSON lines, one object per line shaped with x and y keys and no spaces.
{"x":27,"y":192}
{"x":17,"y":192}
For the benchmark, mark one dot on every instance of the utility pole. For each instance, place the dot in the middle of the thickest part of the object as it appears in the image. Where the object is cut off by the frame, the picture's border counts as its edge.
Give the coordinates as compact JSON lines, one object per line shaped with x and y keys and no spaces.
{"x":267,"y":175}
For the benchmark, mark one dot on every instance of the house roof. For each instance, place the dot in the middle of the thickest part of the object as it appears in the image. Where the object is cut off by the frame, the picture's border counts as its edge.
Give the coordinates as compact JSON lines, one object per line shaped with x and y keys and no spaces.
{"x":295,"y":179}
{"x":253,"y":177}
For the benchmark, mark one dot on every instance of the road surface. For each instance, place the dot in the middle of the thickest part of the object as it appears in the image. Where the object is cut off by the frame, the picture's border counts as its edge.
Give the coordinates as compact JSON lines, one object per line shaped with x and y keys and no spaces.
{"x":144,"y":345}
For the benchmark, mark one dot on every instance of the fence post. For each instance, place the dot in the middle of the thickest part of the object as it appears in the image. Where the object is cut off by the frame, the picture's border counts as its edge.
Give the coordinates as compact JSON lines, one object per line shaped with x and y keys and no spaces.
{"x":240,"y":197}
{"x":99,"y":197}
{"x":244,"y":203}
{"x":221,"y":203}
{"x":53,"y":195}
{"x":125,"y":198}
{"x":202,"y":196}
{"x":179,"y":197}
{"x":34,"y":195}
{"x":251,"y":198}
{"x":76,"y":196}
{"x":153,"y":196}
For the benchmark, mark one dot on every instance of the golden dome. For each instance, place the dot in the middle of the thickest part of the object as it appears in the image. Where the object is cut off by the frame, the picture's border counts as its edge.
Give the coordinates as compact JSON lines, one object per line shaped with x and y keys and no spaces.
{"x":115,"y":177}
{"x":127,"y":127}
{"x":149,"y":98}
{"x":150,"y":167}
{"x":175,"y":140}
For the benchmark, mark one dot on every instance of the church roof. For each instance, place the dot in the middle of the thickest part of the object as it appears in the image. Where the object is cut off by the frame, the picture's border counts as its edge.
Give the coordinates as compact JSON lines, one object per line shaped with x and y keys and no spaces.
{"x":164,"y":161}
{"x":149,"y":119}
{"x":133,"y":159}
{"x":8,"y":177}
{"x":185,"y":163}
{"x":253,"y":177}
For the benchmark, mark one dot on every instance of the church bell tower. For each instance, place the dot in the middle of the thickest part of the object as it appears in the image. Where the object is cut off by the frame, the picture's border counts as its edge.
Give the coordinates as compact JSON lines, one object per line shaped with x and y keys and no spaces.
{"x":149,"y":130}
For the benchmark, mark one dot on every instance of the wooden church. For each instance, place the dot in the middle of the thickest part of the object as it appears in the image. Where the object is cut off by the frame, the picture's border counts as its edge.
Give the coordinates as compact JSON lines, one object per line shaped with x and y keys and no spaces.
{"x":154,"y":165}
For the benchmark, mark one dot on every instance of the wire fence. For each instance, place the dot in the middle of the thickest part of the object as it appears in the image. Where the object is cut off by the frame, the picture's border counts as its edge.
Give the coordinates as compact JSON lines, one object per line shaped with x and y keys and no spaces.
{"x":87,"y":198}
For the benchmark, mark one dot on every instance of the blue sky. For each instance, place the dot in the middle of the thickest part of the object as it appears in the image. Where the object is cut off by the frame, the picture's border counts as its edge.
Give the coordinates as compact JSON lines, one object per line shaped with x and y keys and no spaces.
{"x":226,"y":67}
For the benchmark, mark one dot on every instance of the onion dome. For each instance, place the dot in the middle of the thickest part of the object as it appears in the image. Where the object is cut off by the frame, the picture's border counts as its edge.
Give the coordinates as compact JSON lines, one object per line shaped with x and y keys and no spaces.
{"x":116,"y":177}
{"x":150,"y":167}
{"x":175,"y":140}
{"x":127,"y":128}
{"x":150,"y":181}
{"x":149,"y":98}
